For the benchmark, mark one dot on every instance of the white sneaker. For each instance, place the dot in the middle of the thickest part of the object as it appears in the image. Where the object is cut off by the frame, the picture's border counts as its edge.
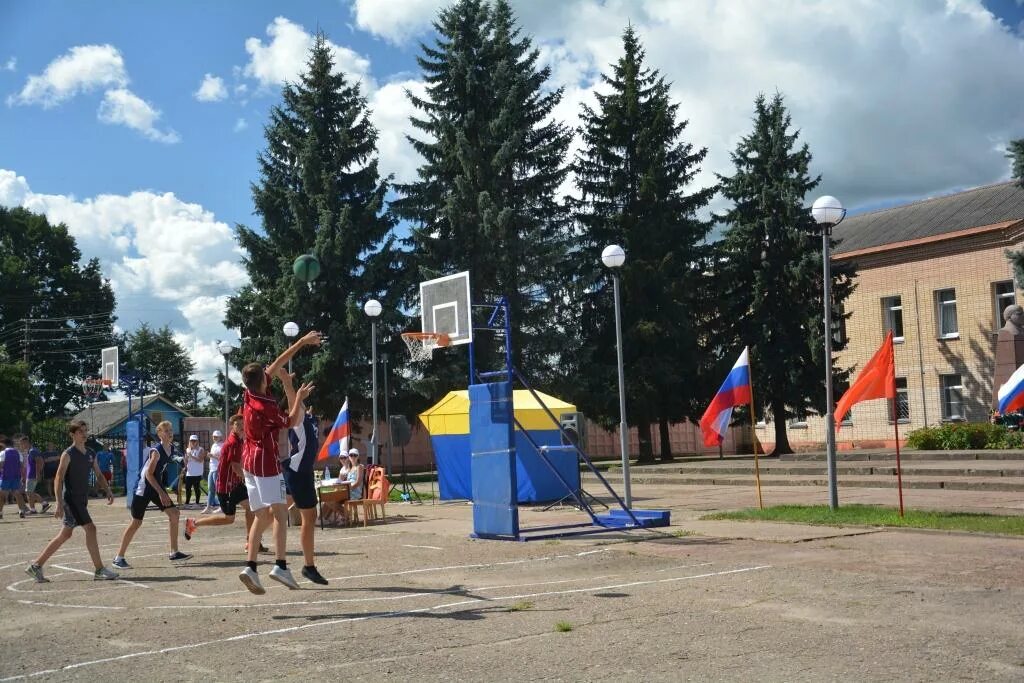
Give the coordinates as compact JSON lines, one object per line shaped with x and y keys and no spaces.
{"x":206,"y":510}
{"x":284,"y":576}
{"x":252,"y":581}
{"x":104,"y":574}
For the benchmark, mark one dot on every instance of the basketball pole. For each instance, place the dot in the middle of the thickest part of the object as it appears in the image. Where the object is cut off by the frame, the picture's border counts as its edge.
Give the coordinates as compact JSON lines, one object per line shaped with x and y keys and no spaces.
{"x":753,"y":434}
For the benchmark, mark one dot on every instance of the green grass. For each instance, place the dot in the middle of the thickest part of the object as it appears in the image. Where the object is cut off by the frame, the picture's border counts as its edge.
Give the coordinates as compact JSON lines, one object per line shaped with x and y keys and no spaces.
{"x":395,"y":495}
{"x":563,"y":626}
{"x":871,"y":515}
{"x":683,"y":533}
{"x":520,"y":606}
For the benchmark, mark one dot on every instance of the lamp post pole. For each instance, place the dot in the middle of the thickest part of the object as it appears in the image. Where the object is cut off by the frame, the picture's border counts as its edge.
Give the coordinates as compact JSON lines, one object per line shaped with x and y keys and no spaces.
{"x":291,"y":330}
{"x":372,"y":308}
{"x":828,"y":212}
{"x":225,"y":349}
{"x":613,"y":257}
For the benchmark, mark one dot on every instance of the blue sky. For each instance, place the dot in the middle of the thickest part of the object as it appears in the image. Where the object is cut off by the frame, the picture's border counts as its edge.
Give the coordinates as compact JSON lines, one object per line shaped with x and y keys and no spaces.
{"x":101,"y":126}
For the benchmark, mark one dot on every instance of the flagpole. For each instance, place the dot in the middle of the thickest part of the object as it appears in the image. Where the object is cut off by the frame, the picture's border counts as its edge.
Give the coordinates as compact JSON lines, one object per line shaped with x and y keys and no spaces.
{"x":899,"y":472}
{"x":753,"y":432}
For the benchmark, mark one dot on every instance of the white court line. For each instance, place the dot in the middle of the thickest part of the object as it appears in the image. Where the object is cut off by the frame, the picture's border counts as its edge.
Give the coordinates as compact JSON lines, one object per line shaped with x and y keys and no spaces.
{"x":428,"y":547}
{"x":348,"y":620}
{"x":130,"y":583}
{"x":683,"y":566}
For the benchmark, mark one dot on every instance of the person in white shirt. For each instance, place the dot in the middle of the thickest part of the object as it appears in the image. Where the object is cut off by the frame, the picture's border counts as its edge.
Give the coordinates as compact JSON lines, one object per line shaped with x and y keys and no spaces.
{"x":212,"y":502}
{"x":195,"y":461}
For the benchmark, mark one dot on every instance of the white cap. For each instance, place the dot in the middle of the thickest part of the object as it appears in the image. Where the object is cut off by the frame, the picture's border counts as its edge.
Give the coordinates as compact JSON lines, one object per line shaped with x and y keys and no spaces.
{"x":193,"y":438}
{"x":353,"y":451}
{"x":216,"y":432}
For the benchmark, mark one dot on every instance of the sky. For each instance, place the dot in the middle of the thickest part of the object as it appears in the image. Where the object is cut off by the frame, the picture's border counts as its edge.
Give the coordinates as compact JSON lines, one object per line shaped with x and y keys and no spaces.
{"x":138,"y":124}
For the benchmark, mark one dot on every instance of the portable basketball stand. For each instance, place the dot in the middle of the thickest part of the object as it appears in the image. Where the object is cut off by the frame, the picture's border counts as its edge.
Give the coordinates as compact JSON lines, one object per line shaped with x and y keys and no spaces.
{"x":492,"y":443}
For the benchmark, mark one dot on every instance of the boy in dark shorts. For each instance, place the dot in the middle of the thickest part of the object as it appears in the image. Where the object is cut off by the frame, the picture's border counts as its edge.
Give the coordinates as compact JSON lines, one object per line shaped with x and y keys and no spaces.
{"x":150,"y":490}
{"x":230,"y":484}
{"x":263,"y":479}
{"x":71,"y":485}
{"x":298,"y":474}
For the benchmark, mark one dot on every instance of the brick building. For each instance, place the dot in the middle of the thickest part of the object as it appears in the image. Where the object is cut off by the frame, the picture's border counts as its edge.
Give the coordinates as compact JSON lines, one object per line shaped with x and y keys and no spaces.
{"x":936,"y":273}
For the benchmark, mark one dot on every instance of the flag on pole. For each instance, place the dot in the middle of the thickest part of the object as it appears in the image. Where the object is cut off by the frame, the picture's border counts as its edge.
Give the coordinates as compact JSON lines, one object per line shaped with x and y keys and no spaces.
{"x":735,"y":391}
{"x":336,"y":442}
{"x":1011,"y":394}
{"x":877,"y":379}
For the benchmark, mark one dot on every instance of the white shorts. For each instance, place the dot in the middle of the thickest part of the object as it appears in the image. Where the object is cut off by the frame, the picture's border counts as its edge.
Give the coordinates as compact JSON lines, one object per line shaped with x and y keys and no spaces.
{"x":264,"y":491}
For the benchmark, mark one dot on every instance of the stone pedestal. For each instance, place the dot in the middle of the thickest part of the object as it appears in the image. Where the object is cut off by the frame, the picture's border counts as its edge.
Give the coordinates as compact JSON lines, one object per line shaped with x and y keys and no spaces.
{"x":1009,"y":357}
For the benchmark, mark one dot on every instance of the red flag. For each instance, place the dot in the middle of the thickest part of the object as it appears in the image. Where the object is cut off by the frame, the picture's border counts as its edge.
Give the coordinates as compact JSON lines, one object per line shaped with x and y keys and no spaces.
{"x":877,"y":379}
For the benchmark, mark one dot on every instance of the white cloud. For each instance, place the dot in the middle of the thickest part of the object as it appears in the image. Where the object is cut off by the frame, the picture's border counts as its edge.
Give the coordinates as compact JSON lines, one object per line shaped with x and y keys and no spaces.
{"x":391,"y":109}
{"x":122,"y":106}
{"x":211,"y":89}
{"x":83,"y":69}
{"x":168,"y":260}
{"x":396,"y":20}
{"x":284,"y":57}
{"x":240,"y":125}
{"x":11,"y":64}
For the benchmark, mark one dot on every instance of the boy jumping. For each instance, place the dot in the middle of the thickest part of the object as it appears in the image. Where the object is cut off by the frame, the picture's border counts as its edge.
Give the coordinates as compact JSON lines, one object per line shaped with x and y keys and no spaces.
{"x":263,"y":480}
{"x":230,"y":484}
{"x":305,"y":443}
{"x":71,"y":485}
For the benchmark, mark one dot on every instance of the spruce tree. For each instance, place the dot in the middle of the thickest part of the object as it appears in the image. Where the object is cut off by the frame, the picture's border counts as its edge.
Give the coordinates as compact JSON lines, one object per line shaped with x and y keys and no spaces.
{"x":771,"y":271}
{"x":486,"y":195}
{"x":1015,"y":153}
{"x":633,"y":174}
{"x":320,"y":192}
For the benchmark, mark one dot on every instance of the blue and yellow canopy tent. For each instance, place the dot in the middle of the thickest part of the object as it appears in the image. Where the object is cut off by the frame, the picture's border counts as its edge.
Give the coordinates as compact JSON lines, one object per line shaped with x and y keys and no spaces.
{"x":448,"y":424}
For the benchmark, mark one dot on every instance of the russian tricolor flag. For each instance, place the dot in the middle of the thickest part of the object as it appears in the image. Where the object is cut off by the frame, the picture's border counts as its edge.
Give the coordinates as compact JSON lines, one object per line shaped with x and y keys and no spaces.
{"x":735,"y":391}
{"x":336,"y":442}
{"x":1011,"y":394}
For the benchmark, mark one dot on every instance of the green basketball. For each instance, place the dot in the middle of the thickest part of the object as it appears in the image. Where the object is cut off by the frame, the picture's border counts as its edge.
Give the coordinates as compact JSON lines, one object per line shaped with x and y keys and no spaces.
{"x":306,"y":268}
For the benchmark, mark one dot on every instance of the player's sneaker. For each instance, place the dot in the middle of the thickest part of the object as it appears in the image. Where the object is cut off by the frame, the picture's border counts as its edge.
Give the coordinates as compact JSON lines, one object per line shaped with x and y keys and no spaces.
{"x":313,"y":575}
{"x":206,"y":510}
{"x":22,"y":513}
{"x":178,"y":555}
{"x":104,"y":574}
{"x":36,"y":572}
{"x":283,"y":576}
{"x":190,"y":528}
{"x":252,"y":581}
{"x":121,"y":563}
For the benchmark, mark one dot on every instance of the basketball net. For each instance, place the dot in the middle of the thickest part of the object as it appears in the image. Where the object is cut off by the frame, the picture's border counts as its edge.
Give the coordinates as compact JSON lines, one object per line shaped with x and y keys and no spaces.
{"x":92,"y":388}
{"x":421,"y":345}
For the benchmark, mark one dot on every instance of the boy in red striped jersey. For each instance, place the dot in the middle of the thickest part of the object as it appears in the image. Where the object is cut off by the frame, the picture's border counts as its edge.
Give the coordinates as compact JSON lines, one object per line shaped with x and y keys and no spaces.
{"x":230,"y":484}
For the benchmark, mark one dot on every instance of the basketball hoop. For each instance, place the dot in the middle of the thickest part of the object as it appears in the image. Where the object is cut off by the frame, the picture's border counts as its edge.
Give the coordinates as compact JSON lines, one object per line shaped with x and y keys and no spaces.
{"x":421,"y":345}
{"x":92,"y":388}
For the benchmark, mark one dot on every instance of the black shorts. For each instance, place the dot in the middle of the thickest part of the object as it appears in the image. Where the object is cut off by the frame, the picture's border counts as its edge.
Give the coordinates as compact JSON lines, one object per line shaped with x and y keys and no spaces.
{"x":76,"y":513}
{"x":141,"y":502}
{"x":229,"y":501}
{"x":301,"y":488}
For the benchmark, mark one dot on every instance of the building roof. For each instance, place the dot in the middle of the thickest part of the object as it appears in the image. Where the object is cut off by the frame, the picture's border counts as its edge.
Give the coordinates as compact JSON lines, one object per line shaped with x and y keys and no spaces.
{"x":105,"y":415}
{"x":931,"y":218}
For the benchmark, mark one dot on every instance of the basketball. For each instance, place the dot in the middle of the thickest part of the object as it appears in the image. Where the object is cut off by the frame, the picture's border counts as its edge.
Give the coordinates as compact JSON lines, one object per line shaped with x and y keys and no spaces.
{"x":306,"y":268}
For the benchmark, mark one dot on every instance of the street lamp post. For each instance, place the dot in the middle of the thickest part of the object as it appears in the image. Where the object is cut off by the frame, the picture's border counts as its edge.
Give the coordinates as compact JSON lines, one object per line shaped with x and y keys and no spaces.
{"x":291,"y":330}
{"x":373,"y":309}
{"x":828,"y":212}
{"x":613,"y":257}
{"x":225,"y":349}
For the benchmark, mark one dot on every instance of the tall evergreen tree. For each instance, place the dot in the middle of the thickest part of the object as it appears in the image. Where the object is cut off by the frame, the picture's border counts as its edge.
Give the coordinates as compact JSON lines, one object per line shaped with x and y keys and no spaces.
{"x":56,"y":312}
{"x":319,"y":192}
{"x":632,"y":174}
{"x":771,"y":279}
{"x":165,"y":366}
{"x":486,"y":196}
{"x":1015,"y":153}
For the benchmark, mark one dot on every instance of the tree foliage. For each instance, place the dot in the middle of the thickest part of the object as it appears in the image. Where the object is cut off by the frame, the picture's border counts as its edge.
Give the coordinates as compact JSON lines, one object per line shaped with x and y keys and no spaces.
{"x":164,"y":365}
{"x":486,"y":196}
{"x":55,"y":311}
{"x":1015,"y":153}
{"x":633,"y":175}
{"x":770,"y":278}
{"x":320,"y":192}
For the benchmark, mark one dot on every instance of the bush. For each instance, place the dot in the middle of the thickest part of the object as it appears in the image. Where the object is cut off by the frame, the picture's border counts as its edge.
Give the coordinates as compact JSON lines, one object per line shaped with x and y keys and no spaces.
{"x":956,"y":436}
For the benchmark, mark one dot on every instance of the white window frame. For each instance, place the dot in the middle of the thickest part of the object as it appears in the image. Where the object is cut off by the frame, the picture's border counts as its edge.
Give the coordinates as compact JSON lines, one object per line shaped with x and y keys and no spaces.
{"x":905,"y":391}
{"x":940,"y":305}
{"x":1000,"y":300}
{"x":887,"y":316}
{"x":946,"y":385}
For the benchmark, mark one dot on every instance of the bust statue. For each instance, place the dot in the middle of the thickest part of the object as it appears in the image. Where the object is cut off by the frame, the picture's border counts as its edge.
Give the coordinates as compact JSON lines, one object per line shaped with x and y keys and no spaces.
{"x":1013,"y":316}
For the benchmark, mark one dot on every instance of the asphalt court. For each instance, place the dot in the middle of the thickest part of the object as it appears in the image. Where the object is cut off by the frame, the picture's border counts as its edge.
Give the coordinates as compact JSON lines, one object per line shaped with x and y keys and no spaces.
{"x":417,"y":598}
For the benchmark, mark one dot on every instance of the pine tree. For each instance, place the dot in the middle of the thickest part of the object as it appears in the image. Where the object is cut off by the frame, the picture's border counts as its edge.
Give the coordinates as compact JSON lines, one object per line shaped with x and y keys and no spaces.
{"x":319,"y":192}
{"x":770,"y":275}
{"x":486,"y":196}
{"x":1015,"y":153}
{"x":163,"y":363}
{"x":633,"y":174}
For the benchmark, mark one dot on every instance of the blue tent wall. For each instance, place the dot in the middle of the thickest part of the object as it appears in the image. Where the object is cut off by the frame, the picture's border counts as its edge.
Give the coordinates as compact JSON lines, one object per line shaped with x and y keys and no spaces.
{"x":536,"y":482}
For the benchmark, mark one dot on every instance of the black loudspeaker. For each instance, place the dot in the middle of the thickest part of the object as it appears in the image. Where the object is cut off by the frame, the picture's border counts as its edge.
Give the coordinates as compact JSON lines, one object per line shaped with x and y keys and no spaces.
{"x":574,"y":427}
{"x":401,"y":432}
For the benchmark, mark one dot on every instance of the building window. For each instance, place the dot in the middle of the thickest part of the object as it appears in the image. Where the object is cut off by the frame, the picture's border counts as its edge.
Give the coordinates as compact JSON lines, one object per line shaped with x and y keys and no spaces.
{"x":892,"y":315}
{"x":839,"y":326}
{"x":899,"y":409}
{"x":952,"y":397}
{"x":945,"y":303}
{"x":798,"y":422}
{"x":1003,"y":295}
{"x":848,"y":418}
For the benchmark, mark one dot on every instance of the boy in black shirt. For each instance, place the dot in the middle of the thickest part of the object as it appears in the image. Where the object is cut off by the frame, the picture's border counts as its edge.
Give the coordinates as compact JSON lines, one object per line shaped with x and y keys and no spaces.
{"x":71,"y":486}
